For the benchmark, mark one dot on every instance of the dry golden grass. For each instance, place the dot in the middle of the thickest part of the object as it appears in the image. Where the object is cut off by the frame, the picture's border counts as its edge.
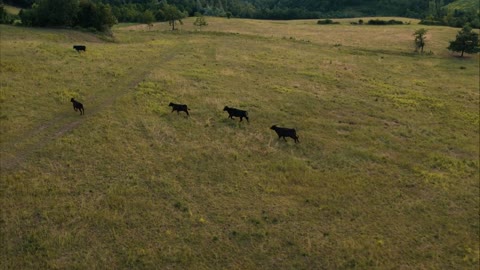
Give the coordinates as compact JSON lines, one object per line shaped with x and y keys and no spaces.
{"x":385,"y":174}
{"x":364,"y":37}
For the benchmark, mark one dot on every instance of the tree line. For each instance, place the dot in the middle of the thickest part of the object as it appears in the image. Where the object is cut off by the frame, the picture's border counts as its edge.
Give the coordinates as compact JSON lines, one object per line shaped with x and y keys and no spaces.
{"x":91,"y":14}
{"x":145,"y":11}
{"x":70,"y":13}
{"x":130,"y":10}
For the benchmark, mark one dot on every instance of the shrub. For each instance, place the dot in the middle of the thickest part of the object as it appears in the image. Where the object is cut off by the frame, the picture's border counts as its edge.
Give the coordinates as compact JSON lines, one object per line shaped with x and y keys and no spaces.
{"x":200,"y":21}
{"x":326,"y":21}
{"x":430,"y":22}
{"x":383,"y":22}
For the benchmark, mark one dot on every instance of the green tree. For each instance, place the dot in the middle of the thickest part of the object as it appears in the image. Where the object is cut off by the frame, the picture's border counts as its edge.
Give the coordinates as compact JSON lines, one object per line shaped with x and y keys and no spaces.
{"x":26,"y":17}
{"x":105,"y":18}
{"x":55,"y":12}
{"x":466,"y":41}
{"x":172,"y":14}
{"x":147,"y":17}
{"x":98,"y":16}
{"x":86,"y":11}
{"x":420,"y":39}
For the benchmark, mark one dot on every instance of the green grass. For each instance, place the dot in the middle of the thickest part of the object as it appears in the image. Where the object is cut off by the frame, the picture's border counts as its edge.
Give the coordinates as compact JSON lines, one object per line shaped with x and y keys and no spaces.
{"x":385,"y":174}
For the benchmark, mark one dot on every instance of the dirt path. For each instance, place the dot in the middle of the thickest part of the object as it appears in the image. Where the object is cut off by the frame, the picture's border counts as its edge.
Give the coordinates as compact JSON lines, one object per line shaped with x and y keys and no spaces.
{"x":14,"y":156}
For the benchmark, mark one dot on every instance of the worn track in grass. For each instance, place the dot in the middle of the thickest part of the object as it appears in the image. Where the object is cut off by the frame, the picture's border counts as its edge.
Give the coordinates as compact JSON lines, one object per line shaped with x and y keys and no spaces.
{"x":38,"y":137}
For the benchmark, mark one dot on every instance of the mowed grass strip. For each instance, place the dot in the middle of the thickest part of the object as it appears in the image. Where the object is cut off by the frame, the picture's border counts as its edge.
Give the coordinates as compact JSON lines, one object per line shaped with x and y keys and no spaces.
{"x":385,"y":174}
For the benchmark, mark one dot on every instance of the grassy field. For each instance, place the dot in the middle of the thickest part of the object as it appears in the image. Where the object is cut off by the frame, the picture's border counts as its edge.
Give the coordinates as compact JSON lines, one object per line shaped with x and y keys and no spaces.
{"x":385,"y":175}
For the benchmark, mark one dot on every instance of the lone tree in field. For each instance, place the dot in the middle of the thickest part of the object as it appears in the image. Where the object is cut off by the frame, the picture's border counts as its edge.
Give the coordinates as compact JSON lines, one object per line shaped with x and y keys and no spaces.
{"x":420,"y":39}
{"x":172,"y":14}
{"x":466,"y":41}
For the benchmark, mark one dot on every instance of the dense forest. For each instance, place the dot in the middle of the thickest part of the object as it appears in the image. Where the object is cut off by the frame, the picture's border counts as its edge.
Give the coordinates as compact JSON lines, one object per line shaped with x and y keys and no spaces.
{"x":431,"y":11}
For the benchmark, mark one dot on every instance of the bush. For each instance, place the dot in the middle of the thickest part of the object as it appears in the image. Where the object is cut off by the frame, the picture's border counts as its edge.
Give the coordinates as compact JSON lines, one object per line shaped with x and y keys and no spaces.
{"x":383,"y":22}
{"x":430,"y":22}
{"x":200,"y":21}
{"x":327,"y":21}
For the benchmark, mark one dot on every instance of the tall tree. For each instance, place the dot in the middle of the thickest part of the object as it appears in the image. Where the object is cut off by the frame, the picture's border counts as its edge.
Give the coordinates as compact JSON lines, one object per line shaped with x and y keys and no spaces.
{"x":98,"y":16}
{"x":172,"y":14}
{"x":466,"y":41}
{"x":420,"y":39}
{"x":105,"y":18}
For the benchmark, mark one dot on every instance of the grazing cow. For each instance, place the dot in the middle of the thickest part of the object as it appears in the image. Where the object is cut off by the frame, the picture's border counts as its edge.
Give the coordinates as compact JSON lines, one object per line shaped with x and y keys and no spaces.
{"x":77,"y":106}
{"x":285,"y":132}
{"x":80,"y":48}
{"x":179,"y":108}
{"x":232,"y":112}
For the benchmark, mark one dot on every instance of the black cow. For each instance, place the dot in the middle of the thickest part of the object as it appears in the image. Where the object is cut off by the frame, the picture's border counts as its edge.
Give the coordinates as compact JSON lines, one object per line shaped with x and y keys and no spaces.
{"x":80,"y":48}
{"x":285,"y":132}
{"x":77,"y":106}
{"x":179,"y":108}
{"x":232,"y":112}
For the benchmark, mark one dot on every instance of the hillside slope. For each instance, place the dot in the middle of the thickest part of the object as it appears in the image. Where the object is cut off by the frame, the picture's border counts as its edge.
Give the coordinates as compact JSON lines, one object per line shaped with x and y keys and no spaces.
{"x":12,"y":10}
{"x":385,"y":174}
{"x":466,"y":5}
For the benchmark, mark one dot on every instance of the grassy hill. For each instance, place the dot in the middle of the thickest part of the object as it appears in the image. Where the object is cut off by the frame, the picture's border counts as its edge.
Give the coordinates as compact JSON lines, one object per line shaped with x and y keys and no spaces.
{"x":385,"y":174}
{"x":467,"y":5}
{"x":12,"y":10}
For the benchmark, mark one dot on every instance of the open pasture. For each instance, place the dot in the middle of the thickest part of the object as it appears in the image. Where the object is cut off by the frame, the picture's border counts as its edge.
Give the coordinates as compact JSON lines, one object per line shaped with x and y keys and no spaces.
{"x":385,"y":174}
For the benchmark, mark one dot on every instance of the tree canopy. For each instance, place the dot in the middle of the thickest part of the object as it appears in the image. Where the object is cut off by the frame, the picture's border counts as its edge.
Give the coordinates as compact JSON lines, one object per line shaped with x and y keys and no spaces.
{"x":172,"y":14}
{"x":420,"y":39}
{"x":465,"y":42}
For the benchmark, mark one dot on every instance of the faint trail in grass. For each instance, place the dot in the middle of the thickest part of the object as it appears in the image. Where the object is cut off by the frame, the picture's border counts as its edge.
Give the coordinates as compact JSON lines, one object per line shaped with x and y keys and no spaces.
{"x":13,"y":156}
